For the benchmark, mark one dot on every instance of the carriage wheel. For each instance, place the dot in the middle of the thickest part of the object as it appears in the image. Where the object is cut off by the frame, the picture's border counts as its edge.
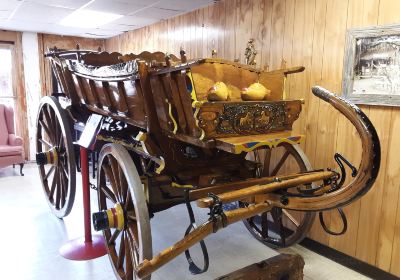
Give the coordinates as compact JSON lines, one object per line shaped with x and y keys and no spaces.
{"x":54,"y":140}
{"x":280,"y":227}
{"x":119,"y":187}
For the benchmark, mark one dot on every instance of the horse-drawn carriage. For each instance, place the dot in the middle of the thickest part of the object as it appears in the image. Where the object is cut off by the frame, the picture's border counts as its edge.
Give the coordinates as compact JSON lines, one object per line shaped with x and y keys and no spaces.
{"x":171,"y":131}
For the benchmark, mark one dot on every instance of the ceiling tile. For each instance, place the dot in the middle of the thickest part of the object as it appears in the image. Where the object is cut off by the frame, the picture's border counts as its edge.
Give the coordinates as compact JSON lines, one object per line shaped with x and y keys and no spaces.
{"x":5,"y":14}
{"x":135,"y":20}
{"x":118,"y":27}
{"x":71,"y":4}
{"x":159,"y":13}
{"x":138,"y":2}
{"x":182,"y":4}
{"x":9,"y":5}
{"x":114,"y":7}
{"x":34,"y":12}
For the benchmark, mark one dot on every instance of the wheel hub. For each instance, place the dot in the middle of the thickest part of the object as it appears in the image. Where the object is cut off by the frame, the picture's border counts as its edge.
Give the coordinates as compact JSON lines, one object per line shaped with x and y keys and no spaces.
{"x":110,"y":218}
{"x":49,"y":157}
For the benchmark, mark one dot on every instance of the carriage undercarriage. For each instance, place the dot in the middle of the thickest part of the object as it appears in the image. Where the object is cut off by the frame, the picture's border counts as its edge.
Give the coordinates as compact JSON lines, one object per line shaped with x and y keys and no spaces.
{"x":153,"y":162}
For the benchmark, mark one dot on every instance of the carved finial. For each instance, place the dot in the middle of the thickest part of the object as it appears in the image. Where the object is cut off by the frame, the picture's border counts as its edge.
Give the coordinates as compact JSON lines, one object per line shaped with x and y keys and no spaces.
{"x":250,"y":53}
{"x":183,"y":55}
{"x":214,"y":53}
{"x":99,"y":49}
{"x":168,"y":59}
{"x":77,"y":46}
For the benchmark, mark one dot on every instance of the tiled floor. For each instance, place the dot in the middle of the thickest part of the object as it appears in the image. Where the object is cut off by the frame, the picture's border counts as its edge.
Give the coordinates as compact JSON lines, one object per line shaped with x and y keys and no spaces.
{"x":31,"y":237}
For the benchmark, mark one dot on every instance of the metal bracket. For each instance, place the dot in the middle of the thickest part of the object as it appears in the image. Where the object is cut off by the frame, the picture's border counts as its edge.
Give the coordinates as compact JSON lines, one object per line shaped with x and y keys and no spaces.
{"x":217,"y":215}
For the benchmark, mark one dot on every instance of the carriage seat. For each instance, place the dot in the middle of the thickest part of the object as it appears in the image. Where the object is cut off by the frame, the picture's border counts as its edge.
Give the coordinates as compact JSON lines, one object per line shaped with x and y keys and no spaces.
{"x":11,"y":146}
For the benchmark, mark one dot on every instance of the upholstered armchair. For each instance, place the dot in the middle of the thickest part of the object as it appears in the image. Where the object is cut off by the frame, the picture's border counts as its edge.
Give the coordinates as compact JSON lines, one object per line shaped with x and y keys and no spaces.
{"x":11,"y":146}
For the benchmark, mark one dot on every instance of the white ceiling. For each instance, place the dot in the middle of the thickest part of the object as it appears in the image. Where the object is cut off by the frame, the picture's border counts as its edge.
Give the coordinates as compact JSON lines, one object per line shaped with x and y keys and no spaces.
{"x":44,"y":15}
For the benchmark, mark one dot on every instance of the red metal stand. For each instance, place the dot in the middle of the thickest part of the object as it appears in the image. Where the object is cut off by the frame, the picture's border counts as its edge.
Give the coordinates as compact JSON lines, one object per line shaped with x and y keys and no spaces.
{"x":90,"y":246}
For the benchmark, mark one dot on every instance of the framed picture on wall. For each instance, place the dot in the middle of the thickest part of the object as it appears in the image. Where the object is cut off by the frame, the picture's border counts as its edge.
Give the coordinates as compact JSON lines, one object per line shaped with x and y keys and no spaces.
{"x":371,"y":70}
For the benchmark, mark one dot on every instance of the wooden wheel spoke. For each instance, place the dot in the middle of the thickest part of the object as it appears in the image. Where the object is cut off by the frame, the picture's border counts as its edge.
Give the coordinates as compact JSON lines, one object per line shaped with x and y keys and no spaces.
{"x":48,"y":118}
{"x":60,"y":141}
{"x":109,"y":175}
{"x":123,"y":186}
{"x":115,"y":173}
{"x":64,"y":169}
{"x":290,"y":217}
{"x":134,"y":247}
{"x":133,"y":233}
{"x":128,"y":201}
{"x":121,"y":253}
{"x":63,"y":192}
{"x":280,"y":163}
{"x":113,"y":237}
{"x":51,"y":170}
{"x":45,"y":143}
{"x":128,"y":260}
{"x":53,"y":186}
{"x":47,"y":130}
{"x":58,"y":190}
{"x":108,"y":193}
{"x":132,"y":216}
{"x":56,"y":132}
{"x":64,"y":179}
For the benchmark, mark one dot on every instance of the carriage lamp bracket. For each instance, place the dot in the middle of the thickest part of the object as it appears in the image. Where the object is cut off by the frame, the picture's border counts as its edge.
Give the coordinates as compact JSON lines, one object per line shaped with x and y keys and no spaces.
{"x":217,"y":215}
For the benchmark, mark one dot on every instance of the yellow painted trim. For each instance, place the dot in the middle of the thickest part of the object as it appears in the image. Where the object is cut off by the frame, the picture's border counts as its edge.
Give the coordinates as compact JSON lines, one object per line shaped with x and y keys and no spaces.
{"x":172,"y":117}
{"x":284,"y":88}
{"x":141,"y":136}
{"x":176,"y":185}
{"x":110,"y":218}
{"x":161,"y":165}
{"x":120,"y":216}
{"x":196,"y":112}
{"x":271,"y":143}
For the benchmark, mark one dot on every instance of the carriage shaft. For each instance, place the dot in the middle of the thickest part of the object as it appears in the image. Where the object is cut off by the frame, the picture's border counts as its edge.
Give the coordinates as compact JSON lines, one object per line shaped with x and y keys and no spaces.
{"x":147,"y":267}
{"x":233,"y":186}
{"x":266,"y":188}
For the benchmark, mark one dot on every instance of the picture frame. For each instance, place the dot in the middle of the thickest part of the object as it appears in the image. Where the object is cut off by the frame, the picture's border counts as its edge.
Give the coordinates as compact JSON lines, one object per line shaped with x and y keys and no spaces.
{"x":371,"y":67}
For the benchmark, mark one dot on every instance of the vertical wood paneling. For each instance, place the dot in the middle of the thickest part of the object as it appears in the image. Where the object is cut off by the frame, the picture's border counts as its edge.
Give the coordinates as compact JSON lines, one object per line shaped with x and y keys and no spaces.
{"x":278,"y":29}
{"x":243,"y":19}
{"x":309,"y":33}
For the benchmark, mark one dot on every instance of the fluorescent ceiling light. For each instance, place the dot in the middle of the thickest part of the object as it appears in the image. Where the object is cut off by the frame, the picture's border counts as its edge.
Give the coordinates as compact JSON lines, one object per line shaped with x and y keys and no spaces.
{"x":88,"y":18}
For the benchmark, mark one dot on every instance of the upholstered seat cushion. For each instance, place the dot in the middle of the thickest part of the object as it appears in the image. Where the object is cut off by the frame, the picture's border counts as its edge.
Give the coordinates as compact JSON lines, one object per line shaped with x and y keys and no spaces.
{"x":6,"y":150}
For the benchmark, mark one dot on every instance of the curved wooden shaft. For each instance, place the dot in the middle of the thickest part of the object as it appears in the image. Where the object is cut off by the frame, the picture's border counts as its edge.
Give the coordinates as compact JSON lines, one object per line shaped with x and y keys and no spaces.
{"x":367,"y":171}
{"x":262,"y":189}
{"x":149,"y":266}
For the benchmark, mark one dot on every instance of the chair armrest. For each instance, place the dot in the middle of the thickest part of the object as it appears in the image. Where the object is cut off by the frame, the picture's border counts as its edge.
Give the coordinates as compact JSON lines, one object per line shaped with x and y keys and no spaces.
{"x":15,"y":140}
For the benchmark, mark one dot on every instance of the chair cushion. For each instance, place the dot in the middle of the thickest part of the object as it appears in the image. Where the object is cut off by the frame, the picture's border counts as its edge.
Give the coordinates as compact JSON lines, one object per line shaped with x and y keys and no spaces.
{"x":3,"y":126}
{"x":6,"y":150}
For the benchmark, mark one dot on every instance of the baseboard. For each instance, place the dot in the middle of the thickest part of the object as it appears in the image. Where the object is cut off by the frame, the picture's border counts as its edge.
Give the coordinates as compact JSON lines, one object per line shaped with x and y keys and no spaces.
{"x":347,"y":261}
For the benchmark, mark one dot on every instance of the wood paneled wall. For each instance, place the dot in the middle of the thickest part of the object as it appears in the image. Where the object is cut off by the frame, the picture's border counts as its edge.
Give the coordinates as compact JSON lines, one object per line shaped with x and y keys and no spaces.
{"x":15,"y":38}
{"x":47,"y":41}
{"x":309,"y":33}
